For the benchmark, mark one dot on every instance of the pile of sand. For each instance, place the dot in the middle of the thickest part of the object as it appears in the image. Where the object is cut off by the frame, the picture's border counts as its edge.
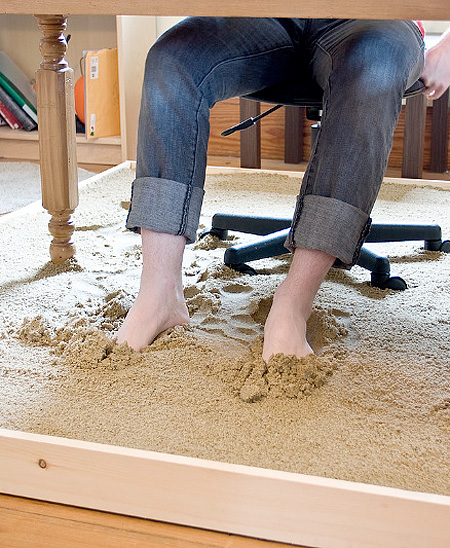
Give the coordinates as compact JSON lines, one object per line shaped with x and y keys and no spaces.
{"x":373,"y":405}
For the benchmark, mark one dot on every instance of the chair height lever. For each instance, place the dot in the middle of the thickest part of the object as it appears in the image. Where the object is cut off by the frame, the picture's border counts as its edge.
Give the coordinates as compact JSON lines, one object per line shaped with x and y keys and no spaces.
{"x":249,"y":122}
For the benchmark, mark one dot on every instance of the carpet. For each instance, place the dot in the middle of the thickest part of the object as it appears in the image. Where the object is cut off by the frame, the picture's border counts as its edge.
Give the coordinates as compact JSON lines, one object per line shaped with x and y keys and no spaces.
{"x":20,"y":184}
{"x":373,"y":406}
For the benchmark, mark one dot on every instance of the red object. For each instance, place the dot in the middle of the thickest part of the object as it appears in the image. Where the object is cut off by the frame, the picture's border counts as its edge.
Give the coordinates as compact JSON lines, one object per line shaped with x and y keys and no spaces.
{"x":79,"y":98}
{"x":9,"y":118}
{"x":421,"y":27}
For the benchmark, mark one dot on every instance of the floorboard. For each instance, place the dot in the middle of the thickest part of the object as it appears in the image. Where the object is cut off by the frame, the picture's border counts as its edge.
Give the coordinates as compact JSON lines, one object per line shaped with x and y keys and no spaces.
{"x":26,"y":523}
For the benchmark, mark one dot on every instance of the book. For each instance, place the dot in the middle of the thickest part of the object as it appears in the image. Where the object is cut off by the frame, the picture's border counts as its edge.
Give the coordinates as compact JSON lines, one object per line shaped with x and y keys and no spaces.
{"x":2,"y":121}
{"x":15,"y":75}
{"x":9,"y":118}
{"x":101,"y":80}
{"x":15,"y":94}
{"x":27,"y":123}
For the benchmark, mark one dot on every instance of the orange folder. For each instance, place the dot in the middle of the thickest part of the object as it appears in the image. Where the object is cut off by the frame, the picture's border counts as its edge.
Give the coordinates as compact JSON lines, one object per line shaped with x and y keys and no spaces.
{"x":102,"y":114}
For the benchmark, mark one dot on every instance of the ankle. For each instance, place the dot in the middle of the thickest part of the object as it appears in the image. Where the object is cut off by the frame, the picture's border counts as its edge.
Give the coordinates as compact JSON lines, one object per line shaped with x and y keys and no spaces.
{"x":161,"y":284}
{"x":289,"y":297}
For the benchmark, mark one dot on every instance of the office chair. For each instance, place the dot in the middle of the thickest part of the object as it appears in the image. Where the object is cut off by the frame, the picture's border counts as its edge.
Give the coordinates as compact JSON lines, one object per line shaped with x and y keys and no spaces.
{"x":273,"y":231}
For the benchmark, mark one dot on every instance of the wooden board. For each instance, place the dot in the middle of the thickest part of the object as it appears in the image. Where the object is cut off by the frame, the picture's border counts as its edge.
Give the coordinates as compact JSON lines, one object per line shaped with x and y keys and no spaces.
{"x":27,"y":523}
{"x":24,"y":146}
{"x":360,"y":9}
{"x":248,"y":501}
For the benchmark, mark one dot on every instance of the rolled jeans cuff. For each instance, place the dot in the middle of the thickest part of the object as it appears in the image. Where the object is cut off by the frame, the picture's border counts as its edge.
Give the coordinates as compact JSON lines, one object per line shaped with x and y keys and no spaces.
{"x":329,"y":225}
{"x":165,"y":206}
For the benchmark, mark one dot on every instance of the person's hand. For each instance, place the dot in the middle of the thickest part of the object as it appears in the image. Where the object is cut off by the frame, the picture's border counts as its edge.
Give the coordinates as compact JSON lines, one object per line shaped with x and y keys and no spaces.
{"x":436,"y":73}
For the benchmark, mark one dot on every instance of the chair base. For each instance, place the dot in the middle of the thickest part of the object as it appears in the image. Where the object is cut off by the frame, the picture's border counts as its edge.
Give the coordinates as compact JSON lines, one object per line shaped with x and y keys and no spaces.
{"x":273,"y":232}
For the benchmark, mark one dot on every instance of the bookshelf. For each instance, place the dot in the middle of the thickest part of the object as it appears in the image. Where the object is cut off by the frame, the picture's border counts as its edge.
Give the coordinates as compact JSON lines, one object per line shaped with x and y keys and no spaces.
{"x":133,"y":35}
{"x":24,"y":145}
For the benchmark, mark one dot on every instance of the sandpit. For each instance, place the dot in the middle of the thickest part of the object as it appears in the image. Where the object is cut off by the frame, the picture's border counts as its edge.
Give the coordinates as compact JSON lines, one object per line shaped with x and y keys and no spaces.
{"x":372,"y":406}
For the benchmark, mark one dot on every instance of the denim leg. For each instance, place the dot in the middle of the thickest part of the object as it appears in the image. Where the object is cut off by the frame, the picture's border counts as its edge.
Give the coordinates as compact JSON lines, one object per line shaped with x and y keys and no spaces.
{"x":364,"y":67}
{"x":189,"y":69}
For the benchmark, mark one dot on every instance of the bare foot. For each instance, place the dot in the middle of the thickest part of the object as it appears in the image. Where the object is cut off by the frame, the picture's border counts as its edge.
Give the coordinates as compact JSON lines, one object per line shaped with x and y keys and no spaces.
{"x":160,"y":303}
{"x":285,"y":329}
{"x":151,"y":314}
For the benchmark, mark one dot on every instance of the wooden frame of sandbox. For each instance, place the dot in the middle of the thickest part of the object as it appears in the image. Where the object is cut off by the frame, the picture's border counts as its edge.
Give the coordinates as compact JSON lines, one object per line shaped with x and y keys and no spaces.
{"x":267,"y":504}
{"x":281,"y":506}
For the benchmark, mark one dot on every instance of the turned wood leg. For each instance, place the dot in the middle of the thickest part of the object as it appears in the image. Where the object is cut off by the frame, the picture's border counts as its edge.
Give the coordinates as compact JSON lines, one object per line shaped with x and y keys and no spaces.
{"x":57,"y":144}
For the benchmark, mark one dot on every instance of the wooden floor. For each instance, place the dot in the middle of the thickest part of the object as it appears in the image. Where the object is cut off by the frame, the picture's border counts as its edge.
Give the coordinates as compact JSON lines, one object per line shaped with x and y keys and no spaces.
{"x":28,"y":523}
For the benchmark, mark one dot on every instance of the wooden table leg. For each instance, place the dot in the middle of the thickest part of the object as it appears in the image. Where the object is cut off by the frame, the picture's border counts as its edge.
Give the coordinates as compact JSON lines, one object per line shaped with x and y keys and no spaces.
{"x":57,"y":144}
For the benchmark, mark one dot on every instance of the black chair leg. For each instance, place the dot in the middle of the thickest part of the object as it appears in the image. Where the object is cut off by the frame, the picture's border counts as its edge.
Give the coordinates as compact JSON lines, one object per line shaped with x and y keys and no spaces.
{"x":386,"y":232}
{"x":249,"y":224}
{"x":380,"y":270}
{"x":273,"y":232}
{"x":269,"y":245}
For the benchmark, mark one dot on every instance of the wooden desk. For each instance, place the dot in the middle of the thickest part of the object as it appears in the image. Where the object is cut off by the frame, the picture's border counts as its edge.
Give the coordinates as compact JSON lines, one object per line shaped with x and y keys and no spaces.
{"x":55,"y":79}
{"x":159,"y":486}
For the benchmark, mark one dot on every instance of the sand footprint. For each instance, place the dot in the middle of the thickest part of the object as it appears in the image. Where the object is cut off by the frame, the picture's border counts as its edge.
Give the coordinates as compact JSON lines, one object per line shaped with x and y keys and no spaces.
{"x":325,"y":326}
{"x":259,"y":309}
{"x":237,"y":288}
{"x":203,"y":303}
{"x":324,"y":329}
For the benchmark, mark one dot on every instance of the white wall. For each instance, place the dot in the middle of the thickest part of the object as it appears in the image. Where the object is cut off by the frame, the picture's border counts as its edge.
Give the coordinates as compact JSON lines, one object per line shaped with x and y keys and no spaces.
{"x":436,"y":27}
{"x":164,"y":23}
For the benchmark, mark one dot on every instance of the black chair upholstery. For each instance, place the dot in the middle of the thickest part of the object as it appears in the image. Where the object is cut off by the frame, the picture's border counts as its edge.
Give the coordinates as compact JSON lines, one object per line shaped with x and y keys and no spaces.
{"x":273,"y":231}
{"x":306,"y":93}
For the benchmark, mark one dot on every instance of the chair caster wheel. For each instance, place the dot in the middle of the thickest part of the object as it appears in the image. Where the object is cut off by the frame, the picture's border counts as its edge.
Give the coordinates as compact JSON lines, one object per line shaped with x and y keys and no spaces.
{"x":445,"y":246}
{"x":387,"y":282}
{"x":220,"y":233}
{"x":242,"y":268}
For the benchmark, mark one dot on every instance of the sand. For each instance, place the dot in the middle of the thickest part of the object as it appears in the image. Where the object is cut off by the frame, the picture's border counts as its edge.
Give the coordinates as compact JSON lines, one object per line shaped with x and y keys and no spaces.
{"x":372,"y":406}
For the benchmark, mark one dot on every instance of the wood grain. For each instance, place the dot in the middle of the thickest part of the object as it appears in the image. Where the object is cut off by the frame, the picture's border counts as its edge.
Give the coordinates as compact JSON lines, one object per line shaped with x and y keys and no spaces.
{"x":57,"y":143}
{"x":27,"y":523}
{"x":246,"y":501}
{"x":226,"y":114}
{"x":24,"y":146}
{"x":439,"y":134}
{"x":360,"y":9}
{"x":414,"y":139}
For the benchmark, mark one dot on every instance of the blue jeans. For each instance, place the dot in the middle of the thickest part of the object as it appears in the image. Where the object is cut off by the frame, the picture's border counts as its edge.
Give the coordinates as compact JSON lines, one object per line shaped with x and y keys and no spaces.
{"x":363,"y":67}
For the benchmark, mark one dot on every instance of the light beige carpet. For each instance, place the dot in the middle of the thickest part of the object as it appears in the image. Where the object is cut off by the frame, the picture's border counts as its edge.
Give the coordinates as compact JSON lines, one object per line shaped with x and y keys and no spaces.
{"x":20,"y":184}
{"x":374,"y":406}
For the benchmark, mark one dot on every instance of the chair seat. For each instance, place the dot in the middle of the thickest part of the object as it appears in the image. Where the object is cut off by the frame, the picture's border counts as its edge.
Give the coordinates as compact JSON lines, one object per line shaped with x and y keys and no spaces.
{"x":305,"y":93}
{"x":296,"y":93}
